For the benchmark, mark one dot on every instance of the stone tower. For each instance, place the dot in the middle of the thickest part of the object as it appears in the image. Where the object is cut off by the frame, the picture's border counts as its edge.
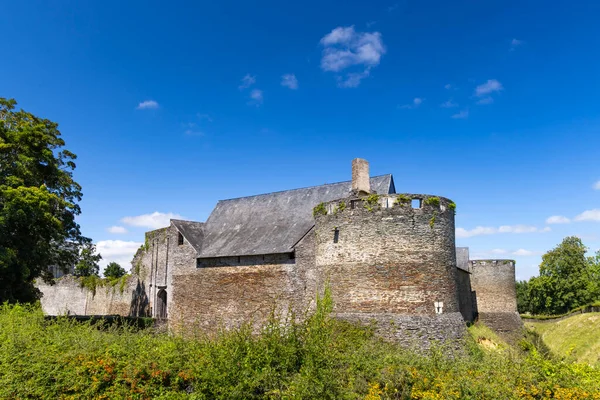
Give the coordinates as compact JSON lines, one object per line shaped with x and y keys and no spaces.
{"x":493,"y":283}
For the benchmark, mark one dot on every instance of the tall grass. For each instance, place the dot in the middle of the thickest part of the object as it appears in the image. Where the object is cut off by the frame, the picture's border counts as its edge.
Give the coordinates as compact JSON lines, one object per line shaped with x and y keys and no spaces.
{"x":318,"y":358}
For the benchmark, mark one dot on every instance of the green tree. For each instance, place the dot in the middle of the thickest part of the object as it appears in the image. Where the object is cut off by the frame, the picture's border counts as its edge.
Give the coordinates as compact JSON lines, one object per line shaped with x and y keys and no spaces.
{"x":38,"y":203}
{"x":88,"y":261}
{"x":565,"y":279}
{"x":523,"y":305}
{"x":114,"y":270}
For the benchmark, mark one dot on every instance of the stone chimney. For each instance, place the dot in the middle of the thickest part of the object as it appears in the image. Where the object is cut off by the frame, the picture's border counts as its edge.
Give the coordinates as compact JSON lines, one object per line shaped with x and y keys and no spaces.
{"x":360,"y":176}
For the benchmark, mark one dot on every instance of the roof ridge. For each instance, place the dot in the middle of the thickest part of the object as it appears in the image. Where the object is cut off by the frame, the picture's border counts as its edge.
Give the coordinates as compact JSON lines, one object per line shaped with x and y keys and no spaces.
{"x":302,"y":188}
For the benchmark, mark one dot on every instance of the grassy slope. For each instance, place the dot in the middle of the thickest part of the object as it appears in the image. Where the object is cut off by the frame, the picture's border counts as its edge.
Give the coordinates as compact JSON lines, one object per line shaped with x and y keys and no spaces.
{"x":576,"y":337}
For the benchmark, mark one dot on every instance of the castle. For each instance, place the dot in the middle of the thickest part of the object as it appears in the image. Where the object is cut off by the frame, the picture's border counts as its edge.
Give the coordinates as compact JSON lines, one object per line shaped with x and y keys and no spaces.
{"x":387,"y":257}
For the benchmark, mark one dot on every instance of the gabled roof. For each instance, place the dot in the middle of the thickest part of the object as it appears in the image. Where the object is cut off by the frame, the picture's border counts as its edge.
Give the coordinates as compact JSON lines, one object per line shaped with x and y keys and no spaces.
{"x":274,"y":222}
{"x":191,"y":231}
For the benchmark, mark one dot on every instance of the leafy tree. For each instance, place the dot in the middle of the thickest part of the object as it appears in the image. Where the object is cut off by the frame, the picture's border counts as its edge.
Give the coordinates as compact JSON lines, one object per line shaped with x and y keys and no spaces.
{"x":114,"y":270}
{"x":88,"y":261}
{"x":523,"y":297}
{"x":38,"y":203}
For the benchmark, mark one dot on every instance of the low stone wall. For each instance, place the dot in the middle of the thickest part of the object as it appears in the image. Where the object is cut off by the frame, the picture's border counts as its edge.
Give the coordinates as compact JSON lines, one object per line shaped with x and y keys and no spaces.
{"x":67,"y":296}
{"x":415,"y":331}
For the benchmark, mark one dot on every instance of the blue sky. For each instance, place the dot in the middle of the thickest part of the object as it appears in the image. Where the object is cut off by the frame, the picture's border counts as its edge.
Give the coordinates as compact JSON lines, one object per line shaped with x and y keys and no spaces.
{"x":171,"y":106}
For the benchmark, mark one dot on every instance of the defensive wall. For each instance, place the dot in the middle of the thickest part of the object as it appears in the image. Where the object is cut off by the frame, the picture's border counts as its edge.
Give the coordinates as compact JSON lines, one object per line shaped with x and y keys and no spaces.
{"x":391,"y":258}
{"x":493,"y":282}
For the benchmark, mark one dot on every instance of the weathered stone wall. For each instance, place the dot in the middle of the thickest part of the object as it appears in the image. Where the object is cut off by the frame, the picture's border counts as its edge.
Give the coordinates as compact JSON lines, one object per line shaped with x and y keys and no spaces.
{"x":388,"y":257}
{"x":494,"y":284}
{"x":208,"y":297}
{"x":67,"y":296}
{"x":465,"y":295}
{"x":389,"y":261}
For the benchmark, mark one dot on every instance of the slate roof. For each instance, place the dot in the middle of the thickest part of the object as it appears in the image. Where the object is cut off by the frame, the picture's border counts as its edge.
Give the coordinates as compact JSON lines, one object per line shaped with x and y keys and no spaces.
{"x":192,"y":231}
{"x":271,"y":223}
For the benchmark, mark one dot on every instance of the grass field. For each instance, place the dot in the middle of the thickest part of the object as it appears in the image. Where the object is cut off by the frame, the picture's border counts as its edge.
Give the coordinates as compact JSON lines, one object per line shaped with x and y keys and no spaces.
{"x":577,"y":338}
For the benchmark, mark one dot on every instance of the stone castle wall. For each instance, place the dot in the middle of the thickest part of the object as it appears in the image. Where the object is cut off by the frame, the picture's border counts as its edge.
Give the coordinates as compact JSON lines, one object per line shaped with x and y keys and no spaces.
{"x":389,"y":261}
{"x":493,"y":282}
{"x":67,"y":296}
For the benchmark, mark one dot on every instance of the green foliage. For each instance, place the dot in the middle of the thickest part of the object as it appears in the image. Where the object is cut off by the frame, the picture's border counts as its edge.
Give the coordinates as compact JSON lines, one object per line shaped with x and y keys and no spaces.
{"x":340,"y":207}
{"x":88,"y":261}
{"x":114,"y":270}
{"x":371,"y":201}
{"x":319,"y":209}
{"x":318,"y":358}
{"x":432,"y":201}
{"x":432,"y":219}
{"x":452,"y":206}
{"x":568,"y":279}
{"x":402,"y":200}
{"x":38,"y":203}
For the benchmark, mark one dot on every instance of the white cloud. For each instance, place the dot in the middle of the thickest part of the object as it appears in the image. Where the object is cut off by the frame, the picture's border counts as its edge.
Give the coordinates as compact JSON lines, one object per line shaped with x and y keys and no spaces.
{"x":491,"y":86}
{"x":206,"y":117}
{"x":449,"y":104}
{"x":247,"y":81}
{"x":589,"y":215}
{"x":147,"y":105}
{"x":117,"y":229}
{"x":119,"y":251}
{"x":417,"y":101}
{"x":448,"y":86}
{"x":485,"y":100}
{"x":489,"y":230}
{"x":153,"y":221}
{"x":597,"y":185}
{"x":344,"y":47}
{"x":524,"y":253}
{"x":256,"y":97}
{"x":557,"y":219}
{"x":290,"y":81}
{"x":461,"y":115}
{"x":515,"y":43}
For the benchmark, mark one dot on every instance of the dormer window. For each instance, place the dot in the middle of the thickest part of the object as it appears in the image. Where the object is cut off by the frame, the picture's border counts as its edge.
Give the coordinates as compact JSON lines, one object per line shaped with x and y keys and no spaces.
{"x":179,"y":239}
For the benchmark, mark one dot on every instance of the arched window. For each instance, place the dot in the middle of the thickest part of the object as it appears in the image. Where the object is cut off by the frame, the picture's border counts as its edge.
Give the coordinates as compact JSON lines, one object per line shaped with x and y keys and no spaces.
{"x":161,"y":304}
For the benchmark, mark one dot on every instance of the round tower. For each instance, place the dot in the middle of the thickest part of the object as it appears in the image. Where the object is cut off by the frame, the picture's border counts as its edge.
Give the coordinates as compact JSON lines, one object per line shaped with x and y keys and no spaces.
{"x":495,"y":294}
{"x":391,"y":258}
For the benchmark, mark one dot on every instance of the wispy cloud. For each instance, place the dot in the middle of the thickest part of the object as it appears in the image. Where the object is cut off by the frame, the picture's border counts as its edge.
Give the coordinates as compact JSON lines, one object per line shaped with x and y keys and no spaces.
{"x":256,"y":97}
{"x":153,"y":221}
{"x":485,"y":100}
{"x":147,"y":105}
{"x":193,"y":132}
{"x":417,"y":101}
{"x":393,"y":7}
{"x":557,"y":219}
{"x":596,"y":186}
{"x":449,"y":104}
{"x":487,"y":88}
{"x":118,"y":251}
{"x":344,"y":47}
{"x":205,"y":117}
{"x":515,"y":43}
{"x":589,"y":215}
{"x":489,"y":230}
{"x":290,"y":81}
{"x":247,"y":81}
{"x":461,"y":115}
{"x":117,"y":230}
{"x":448,"y":86}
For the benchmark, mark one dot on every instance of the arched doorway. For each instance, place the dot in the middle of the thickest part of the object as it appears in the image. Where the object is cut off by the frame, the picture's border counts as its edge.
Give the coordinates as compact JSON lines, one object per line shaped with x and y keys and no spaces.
{"x":161,"y":304}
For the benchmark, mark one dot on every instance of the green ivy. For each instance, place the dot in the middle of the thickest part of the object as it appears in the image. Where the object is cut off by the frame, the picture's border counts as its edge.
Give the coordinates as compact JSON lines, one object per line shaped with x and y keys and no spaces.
{"x":432,"y":220}
{"x":319,"y":209}
{"x":433,"y":201}
{"x":402,"y":200}
{"x":371,"y":202}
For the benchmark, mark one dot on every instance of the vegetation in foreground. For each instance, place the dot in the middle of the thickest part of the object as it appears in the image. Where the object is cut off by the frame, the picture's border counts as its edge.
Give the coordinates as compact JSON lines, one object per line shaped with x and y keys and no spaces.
{"x":576,"y":338}
{"x":320,"y":358}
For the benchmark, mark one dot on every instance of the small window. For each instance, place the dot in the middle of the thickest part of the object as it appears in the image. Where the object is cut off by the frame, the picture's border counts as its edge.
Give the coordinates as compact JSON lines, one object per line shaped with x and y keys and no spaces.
{"x":179,"y":239}
{"x":336,"y":235}
{"x":293,"y":255}
{"x":239,"y":259}
{"x":415,"y":203}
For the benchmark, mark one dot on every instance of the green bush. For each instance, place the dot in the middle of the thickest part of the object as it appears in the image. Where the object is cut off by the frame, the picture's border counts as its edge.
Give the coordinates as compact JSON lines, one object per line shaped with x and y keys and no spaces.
{"x":318,"y":358}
